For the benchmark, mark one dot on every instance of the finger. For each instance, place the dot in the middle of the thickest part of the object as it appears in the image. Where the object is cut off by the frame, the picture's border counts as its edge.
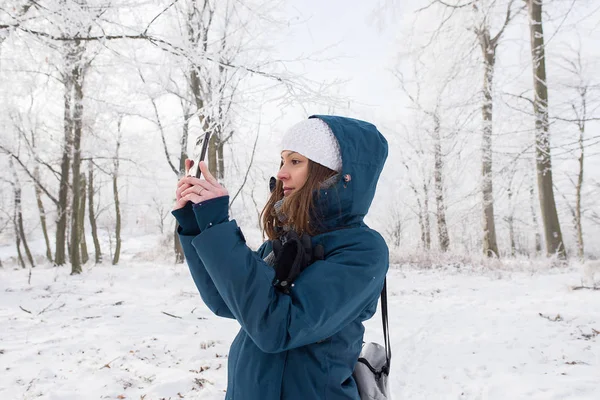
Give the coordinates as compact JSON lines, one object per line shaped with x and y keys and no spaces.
{"x":207,"y":175}
{"x":193,"y":181}
{"x":179,"y":193}
{"x":181,"y":183}
{"x":181,"y":187}
{"x":198,"y":190}
{"x":193,"y":197}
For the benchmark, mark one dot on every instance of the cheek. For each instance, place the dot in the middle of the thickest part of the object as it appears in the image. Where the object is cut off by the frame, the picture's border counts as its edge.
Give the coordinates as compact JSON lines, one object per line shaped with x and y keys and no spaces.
{"x":304,"y":176}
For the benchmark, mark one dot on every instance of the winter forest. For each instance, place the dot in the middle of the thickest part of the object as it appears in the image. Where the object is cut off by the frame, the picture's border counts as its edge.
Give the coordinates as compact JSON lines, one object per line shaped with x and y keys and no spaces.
{"x":491,"y":109}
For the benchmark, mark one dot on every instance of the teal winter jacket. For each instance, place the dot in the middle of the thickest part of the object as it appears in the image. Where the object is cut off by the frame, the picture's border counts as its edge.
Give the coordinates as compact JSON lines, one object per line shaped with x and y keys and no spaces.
{"x":302,"y":345}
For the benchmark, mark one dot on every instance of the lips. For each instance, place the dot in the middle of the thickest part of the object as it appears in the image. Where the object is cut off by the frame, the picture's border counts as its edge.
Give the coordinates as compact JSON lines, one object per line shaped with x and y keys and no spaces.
{"x":287,"y":190}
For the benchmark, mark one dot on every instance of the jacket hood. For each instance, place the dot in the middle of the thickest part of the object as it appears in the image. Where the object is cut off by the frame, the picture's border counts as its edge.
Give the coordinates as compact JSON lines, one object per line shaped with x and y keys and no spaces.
{"x":364,"y":151}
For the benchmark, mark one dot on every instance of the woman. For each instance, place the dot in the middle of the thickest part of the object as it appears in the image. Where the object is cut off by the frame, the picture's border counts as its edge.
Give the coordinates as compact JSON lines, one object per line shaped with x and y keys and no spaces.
{"x":302,"y":340}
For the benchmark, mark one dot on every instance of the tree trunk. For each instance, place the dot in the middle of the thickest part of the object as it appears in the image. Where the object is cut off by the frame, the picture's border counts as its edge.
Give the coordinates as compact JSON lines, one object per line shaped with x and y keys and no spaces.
{"x":16,"y":225}
{"x":420,"y":216}
{"x":42,"y":211}
{"x":579,"y":187}
{"x":61,"y":223}
{"x":443,"y":237}
{"x":426,"y":219}
{"x":117,"y":254}
{"x":490,"y":245}
{"x":554,"y":240}
{"x":511,"y":224}
{"x":78,"y":77}
{"x":179,"y":256}
{"x":19,"y":228}
{"x":92,"y":214}
{"x":213,"y":155}
{"x":221,"y":164}
{"x":82,"y":195}
{"x":578,"y":225}
{"x":534,"y":220}
{"x":118,"y":221}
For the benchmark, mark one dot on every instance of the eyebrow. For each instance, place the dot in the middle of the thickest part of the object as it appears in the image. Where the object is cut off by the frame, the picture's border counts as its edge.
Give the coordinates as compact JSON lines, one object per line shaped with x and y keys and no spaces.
{"x":289,"y":153}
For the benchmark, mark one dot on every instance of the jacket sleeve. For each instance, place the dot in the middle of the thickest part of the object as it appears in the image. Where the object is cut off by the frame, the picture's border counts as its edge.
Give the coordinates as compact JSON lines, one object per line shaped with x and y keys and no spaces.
{"x":326,"y":297}
{"x":188,"y":230}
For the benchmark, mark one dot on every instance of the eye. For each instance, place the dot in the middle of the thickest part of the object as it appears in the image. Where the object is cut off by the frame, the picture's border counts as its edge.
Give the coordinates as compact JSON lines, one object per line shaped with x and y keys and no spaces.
{"x":295,"y":162}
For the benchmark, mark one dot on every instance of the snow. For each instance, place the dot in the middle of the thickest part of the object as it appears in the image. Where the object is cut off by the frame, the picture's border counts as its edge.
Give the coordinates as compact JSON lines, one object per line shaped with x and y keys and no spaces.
{"x":457,"y":333}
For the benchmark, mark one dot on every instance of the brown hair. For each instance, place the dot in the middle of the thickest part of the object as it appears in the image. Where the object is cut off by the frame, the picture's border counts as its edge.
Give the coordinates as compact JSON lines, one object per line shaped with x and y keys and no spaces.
{"x":298,"y":206}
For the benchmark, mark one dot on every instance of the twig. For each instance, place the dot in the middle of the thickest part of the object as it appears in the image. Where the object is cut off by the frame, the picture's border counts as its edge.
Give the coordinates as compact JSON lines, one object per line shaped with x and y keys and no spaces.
{"x":171,"y":315}
{"x":53,"y":309}
{"x":576,"y":363}
{"x":49,"y":305}
{"x":555,"y":319}
{"x":249,"y":165}
{"x":27,"y":311}
{"x":30,"y":383}
{"x":107,"y":365}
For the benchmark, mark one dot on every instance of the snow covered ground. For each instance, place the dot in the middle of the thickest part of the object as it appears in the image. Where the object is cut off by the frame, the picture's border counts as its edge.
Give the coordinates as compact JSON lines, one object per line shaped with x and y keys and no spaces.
{"x":141,"y":331}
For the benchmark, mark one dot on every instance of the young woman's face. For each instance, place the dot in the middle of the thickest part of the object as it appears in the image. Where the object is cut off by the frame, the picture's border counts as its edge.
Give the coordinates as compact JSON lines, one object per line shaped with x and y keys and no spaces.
{"x":293,"y":172}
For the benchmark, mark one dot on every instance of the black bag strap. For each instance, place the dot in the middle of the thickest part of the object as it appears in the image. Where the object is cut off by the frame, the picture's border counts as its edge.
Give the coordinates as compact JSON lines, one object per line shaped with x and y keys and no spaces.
{"x":386,"y":332}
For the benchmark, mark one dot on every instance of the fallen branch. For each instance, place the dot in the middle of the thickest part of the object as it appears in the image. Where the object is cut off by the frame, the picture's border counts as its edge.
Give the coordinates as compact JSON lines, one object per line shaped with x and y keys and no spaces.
{"x":53,"y":309}
{"x":171,"y":315}
{"x":49,"y":305}
{"x":576,"y":363}
{"x":555,"y":319}
{"x":585,"y":287}
{"x":27,"y":311}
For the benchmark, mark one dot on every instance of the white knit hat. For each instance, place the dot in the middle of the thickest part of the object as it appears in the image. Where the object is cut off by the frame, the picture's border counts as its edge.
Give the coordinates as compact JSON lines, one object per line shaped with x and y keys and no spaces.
{"x":314,"y":139}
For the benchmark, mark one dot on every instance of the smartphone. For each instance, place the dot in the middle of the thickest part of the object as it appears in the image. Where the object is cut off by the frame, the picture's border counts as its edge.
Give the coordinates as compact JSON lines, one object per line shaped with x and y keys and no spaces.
{"x":195,"y":170}
{"x":199,"y":154}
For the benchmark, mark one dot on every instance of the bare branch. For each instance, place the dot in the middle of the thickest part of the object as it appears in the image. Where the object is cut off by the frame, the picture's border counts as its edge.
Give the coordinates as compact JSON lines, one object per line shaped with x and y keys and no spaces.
{"x":153,"y":40}
{"x":158,"y":15}
{"x":470,"y":3}
{"x":249,"y":166}
{"x":160,"y":128}
{"x":509,"y":17}
{"x":37,"y":182}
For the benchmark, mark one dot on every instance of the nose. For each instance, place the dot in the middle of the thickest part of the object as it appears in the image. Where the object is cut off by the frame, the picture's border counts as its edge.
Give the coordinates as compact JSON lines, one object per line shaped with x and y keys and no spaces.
{"x":283,"y":174}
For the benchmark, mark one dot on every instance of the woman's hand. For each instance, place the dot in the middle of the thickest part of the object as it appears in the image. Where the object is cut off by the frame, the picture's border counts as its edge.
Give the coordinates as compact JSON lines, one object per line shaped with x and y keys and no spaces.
{"x":197,"y":190}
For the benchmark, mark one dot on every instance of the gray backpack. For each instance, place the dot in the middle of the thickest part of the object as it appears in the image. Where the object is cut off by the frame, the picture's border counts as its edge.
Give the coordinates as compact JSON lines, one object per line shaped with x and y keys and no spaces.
{"x":372,"y":369}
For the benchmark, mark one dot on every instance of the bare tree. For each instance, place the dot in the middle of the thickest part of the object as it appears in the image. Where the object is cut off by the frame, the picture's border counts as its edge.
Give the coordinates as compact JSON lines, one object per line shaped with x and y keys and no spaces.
{"x":92,"y":214}
{"x":31,"y":144}
{"x":574,"y":65}
{"x":161,"y":212}
{"x":42,"y":211}
{"x":18,"y":219}
{"x":115,"y":176}
{"x":210,"y":29}
{"x":553,"y":234}
{"x":438,"y":179}
{"x":77,"y":74}
{"x":438,"y":162}
{"x":81,"y":219}
{"x":488,"y":43}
